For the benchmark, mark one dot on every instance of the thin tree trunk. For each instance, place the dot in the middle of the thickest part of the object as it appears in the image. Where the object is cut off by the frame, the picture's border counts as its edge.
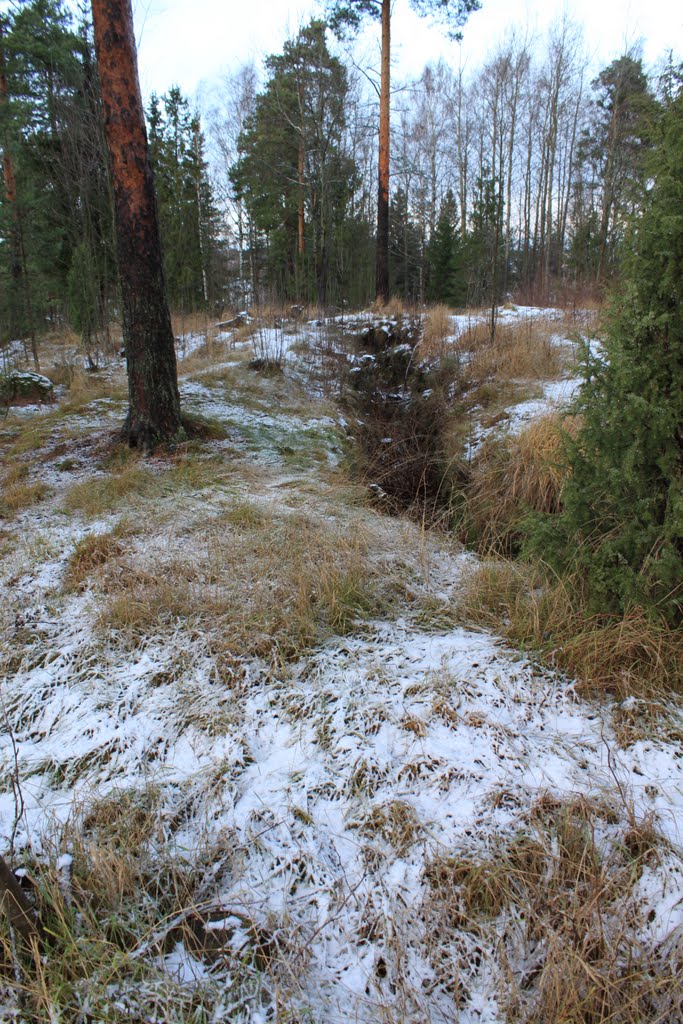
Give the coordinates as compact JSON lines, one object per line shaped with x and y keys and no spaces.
{"x":154,"y":402}
{"x":463,"y":163}
{"x":382,"y":262}
{"x":198,"y":192}
{"x":569,"y":173}
{"x":528,"y":203}
{"x":517,"y":71}
{"x":301,"y":246}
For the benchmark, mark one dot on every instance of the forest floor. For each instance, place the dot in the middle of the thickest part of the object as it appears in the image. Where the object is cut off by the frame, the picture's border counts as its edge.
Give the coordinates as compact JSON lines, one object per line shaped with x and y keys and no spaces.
{"x":256,"y":762}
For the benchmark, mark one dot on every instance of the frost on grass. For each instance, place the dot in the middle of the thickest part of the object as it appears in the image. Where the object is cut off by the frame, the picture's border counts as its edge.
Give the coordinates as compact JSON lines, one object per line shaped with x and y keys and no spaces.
{"x":393,"y":819}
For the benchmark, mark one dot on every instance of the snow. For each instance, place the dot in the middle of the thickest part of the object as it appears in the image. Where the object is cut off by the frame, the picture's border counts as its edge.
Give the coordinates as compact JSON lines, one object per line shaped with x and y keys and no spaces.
{"x":338,"y":778}
{"x":557,"y":394}
{"x":187,"y":344}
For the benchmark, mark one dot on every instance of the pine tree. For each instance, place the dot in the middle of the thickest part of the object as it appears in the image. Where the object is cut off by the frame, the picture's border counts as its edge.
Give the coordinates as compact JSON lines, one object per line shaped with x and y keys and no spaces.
{"x":613,"y":153}
{"x":154,"y":401}
{"x":623,"y":518}
{"x":292,"y":174}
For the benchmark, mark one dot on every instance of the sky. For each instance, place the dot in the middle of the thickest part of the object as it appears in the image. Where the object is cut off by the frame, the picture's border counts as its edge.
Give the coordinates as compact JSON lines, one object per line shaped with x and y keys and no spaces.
{"x":192,"y":45}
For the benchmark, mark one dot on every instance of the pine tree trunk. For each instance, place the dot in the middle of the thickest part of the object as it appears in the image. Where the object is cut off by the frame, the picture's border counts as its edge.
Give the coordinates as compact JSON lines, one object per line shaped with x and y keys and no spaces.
{"x":154,"y":403}
{"x":382,"y":264}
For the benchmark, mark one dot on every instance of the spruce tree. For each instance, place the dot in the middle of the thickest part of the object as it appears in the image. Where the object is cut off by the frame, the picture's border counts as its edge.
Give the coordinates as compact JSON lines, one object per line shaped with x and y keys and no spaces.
{"x":623,"y":517}
{"x":185,"y":203}
{"x":445,"y":274}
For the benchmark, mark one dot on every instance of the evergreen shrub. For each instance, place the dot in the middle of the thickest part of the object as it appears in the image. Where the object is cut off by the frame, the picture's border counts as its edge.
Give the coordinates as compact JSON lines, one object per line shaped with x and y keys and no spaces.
{"x":622,"y":519}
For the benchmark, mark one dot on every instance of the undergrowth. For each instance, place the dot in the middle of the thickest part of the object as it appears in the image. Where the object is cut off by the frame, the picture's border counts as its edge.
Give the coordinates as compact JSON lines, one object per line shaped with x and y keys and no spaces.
{"x":557,"y":909}
{"x":119,"y":917}
{"x":404,"y":407}
{"x":257,"y":584}
{"x":623,"y":655}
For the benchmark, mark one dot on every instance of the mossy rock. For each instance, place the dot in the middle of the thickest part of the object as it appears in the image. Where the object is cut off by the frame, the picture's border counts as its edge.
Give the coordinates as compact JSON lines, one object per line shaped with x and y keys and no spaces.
{"x":23,"y":387}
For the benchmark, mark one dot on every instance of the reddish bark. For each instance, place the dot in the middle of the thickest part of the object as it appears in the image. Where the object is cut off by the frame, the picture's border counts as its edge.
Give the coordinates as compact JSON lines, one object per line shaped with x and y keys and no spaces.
{"x":154,"y":403}
{"x":7,"y":170}
{"x":382,"y":260}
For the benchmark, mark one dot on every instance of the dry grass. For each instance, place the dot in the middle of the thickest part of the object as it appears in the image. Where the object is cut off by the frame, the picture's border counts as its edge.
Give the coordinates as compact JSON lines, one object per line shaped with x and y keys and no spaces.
{"x":558,"y":909}
{"x":83,"y":387}
{"x":193,"y":323}
{"x":394,"y":309}
{"x":208,"y":354}
{"x":522,"y":350}
{"x":24,"y":436}
{"x":437,"y":329}
{"x":513,"y":476}
{"x":130,"y":481}
{"x":629,"y":655}
{"x":114,"y":912}
{"x":92,"y":552}
{"x":100,"y":495}
{"x":257,"y":584}
{"x":17,"y":492}
{"x":395,"y":823}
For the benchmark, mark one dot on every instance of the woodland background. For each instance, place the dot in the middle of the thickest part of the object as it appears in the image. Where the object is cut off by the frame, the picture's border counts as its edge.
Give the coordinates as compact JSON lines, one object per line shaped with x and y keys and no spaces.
{"x":518,"y":177}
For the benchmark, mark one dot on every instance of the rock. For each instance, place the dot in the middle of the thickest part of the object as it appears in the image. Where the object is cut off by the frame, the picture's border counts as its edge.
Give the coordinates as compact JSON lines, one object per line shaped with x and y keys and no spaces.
{"x":24,"y":387}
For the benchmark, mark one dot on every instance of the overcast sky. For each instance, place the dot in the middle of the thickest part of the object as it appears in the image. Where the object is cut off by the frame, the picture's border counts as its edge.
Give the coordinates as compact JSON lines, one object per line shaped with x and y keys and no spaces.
{"x":191,"y":44}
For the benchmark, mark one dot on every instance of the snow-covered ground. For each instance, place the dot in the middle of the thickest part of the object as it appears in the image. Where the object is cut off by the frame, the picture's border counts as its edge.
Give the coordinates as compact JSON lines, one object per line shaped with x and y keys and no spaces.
{"x":335,"y":780}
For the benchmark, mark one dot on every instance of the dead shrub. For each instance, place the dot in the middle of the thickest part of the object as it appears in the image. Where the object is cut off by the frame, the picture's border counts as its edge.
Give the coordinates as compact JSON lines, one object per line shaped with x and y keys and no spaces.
{"x":404,"y":411}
